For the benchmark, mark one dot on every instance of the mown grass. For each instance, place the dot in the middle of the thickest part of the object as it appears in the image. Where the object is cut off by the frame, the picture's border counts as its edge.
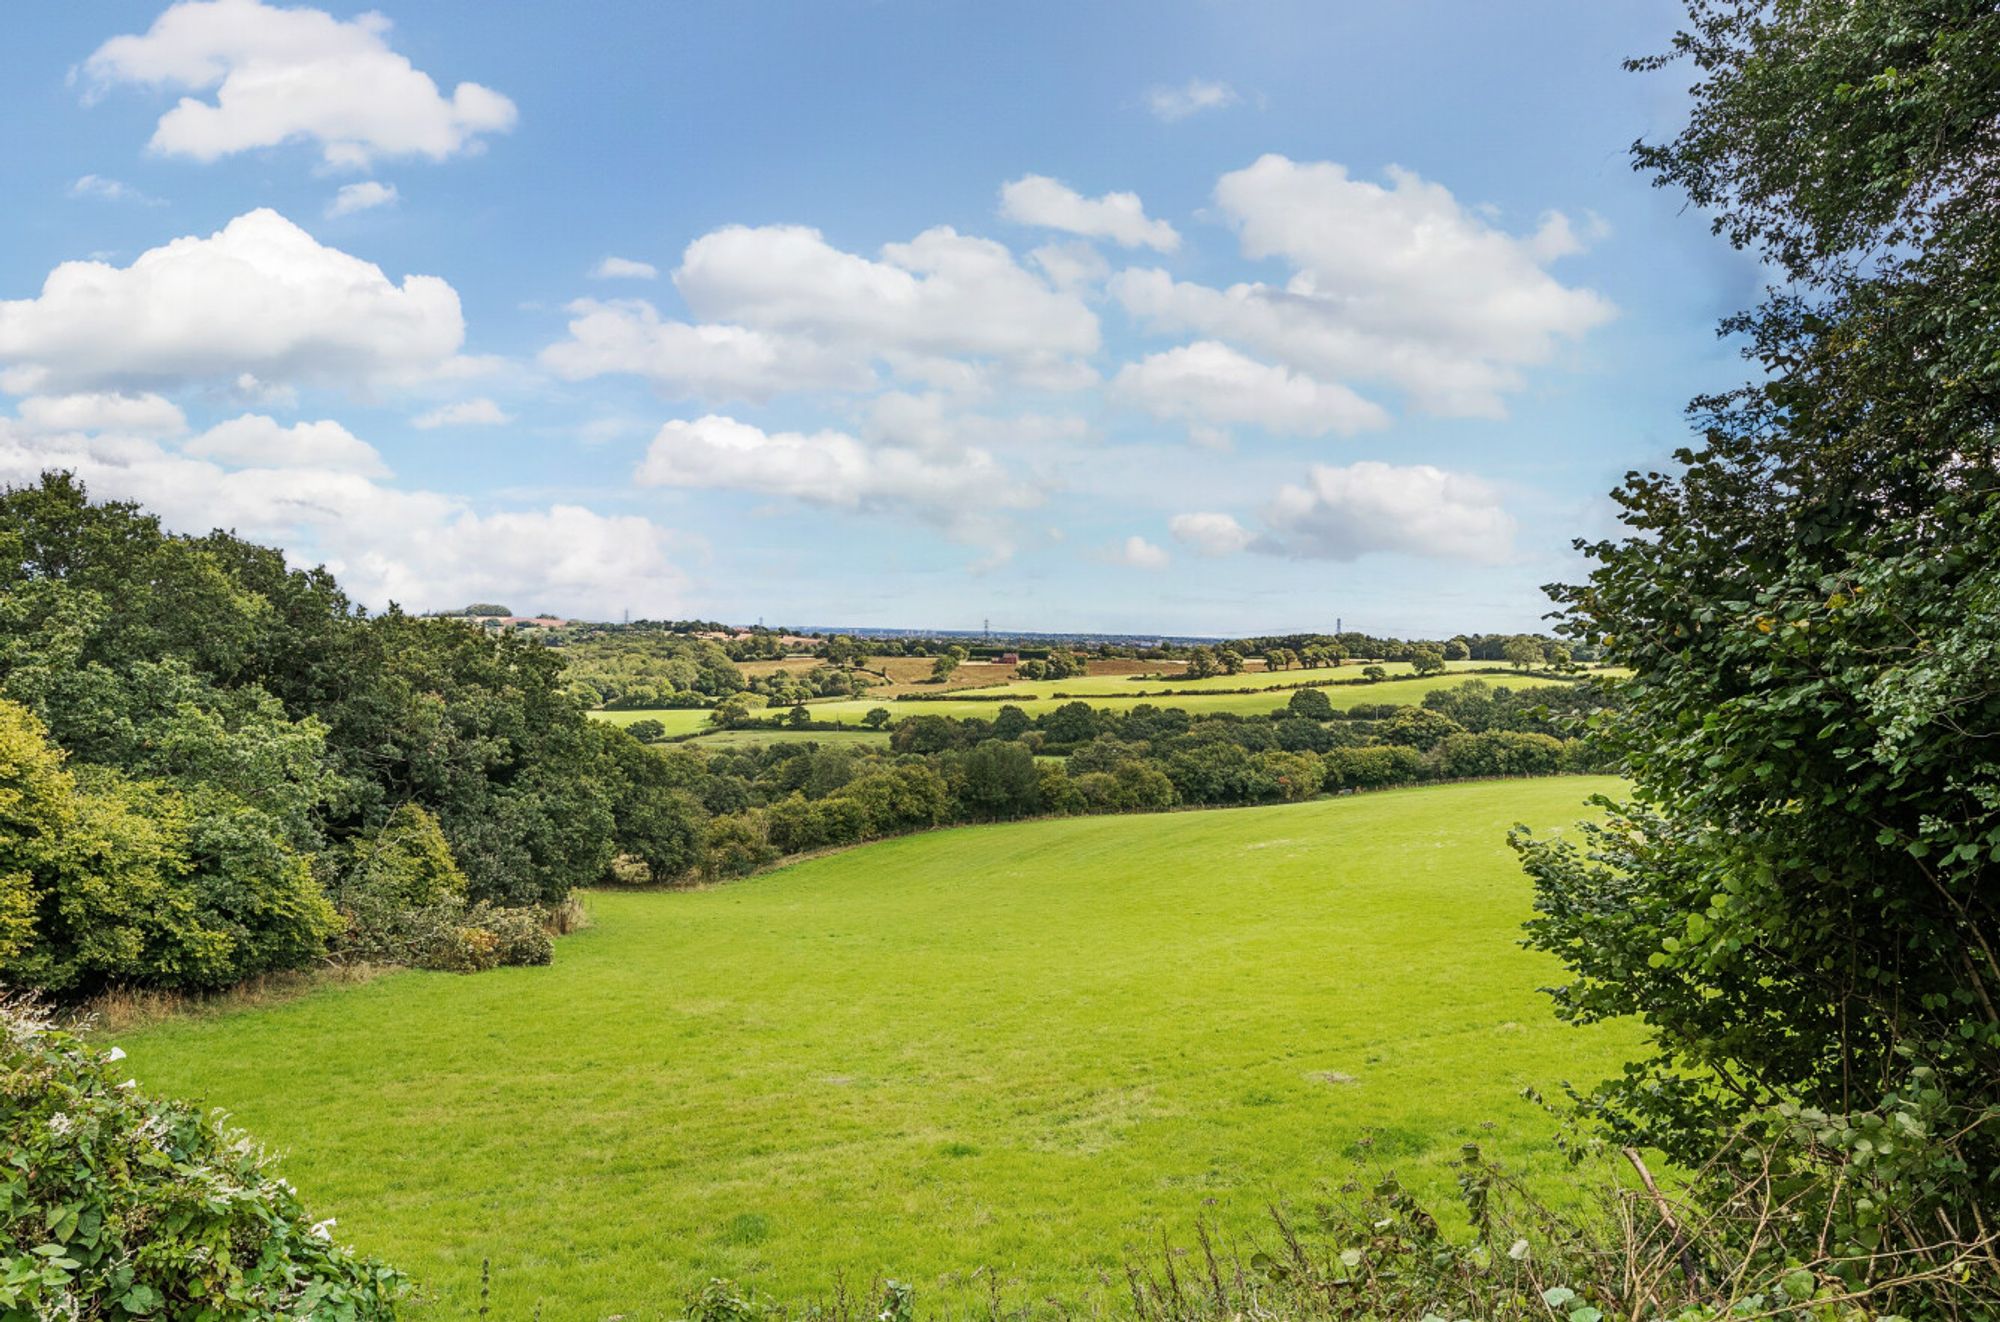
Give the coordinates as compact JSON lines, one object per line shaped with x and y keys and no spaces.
{"x":1026,"y":1048}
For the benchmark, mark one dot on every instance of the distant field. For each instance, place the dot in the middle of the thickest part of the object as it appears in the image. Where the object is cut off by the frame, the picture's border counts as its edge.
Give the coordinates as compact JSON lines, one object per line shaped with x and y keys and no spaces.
{"x":1110,"y":694}
{"x":1030,"y":1048}
{"x":748,"y":738}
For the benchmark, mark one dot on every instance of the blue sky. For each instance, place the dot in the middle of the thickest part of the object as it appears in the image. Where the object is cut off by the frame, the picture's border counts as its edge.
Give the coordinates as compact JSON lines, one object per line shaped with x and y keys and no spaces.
{"x":1191,"y":317}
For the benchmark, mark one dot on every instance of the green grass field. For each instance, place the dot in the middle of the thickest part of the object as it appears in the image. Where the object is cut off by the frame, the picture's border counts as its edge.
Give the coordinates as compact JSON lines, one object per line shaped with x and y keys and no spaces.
{"x":747,"y":738}
{"x":1029,"y":1048}
{"x":1037,"y":697}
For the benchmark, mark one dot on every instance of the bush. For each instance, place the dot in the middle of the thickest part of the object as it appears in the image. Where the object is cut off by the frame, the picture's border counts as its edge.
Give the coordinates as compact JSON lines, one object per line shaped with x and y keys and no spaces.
{"x":520,"y":936}
{"x":116,"y":1205}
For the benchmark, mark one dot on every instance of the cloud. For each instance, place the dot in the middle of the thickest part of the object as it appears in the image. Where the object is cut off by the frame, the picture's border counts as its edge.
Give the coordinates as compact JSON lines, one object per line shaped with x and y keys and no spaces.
{"x":1210,"y":534}
{"x":258,"y":299}
{"x":831,"y":469}
{"x":943,"y":294}
{"x":364,"y":196}
{"x":684,"y":361}
{"x":624,"y":268}
{"x":1137,"y":553}
{"x":1396,"y":284}
{"x":424,"y":549}
{"x":284,"y":75}
{"x":1346,"y":513}
{"x":778,"y":309}
{"x":1170,"y":104}
{"x":480,"y":412}
{"x":929,"y":421}
{"x":1036,"y":199}
{"x":109,"y":190}
{"x":1072,"y":264}
{"x":128,"y":415}
{"x":255,"y":441}
{"x":1210,"y":383}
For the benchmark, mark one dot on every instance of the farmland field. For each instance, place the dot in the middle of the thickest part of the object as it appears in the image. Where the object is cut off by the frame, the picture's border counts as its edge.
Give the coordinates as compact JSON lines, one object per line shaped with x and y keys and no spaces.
{"x":1028,"y":1048}
{"x":1038,"y":696}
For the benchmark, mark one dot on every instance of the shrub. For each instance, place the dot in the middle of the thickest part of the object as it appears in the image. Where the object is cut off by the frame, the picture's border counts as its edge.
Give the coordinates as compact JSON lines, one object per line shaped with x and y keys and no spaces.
{"x":520,"y":936}
{"x":116,"y":1205}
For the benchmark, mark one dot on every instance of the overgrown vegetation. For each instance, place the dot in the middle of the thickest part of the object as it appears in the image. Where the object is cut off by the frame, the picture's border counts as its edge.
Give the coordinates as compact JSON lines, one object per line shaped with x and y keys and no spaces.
{"x":116,"y":1205}
{"x":213,"y":767}
{"x":1801,"y":896}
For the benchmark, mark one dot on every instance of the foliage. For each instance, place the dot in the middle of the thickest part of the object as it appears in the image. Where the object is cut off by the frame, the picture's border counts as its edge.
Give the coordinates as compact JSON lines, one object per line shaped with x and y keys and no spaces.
{"x":116,"y":1205}
{"x":1799,"y":896}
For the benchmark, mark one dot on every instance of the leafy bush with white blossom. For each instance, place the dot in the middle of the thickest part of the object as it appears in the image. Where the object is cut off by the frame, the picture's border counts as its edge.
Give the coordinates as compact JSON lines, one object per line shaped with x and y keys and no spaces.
{"x":117,"y":1205}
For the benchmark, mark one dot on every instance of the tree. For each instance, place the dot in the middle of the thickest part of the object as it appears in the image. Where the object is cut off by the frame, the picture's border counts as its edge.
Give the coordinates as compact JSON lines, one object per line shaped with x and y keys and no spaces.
{"x":1427,"y":660}
{"x":876,"y":718}
{"x":646,"y":731}
{"x":996,"y":779}
{"x":1230,"y":660}
{"x":1523,"y":652}
{"x":1456,"y":650}
{"x":1374,"y":674}
{"x":1011,"y":723}
{"x":942,"y":668}
{"x":1799,"y":896}
{"x":1313,"y":704}
{"x":799,"y":717}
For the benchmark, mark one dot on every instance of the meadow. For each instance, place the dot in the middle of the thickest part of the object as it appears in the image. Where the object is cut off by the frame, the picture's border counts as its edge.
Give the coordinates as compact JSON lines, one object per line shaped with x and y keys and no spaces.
{"x":1028,"y":1049}
{"x":1110,"y":693}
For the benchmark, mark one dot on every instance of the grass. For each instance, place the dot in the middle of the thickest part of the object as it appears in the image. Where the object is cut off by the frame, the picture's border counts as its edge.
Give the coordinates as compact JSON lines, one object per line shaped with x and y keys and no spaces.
{"x":746,"y":738}
{"x":1038,"y":696}
{"x":1029,"y":1048}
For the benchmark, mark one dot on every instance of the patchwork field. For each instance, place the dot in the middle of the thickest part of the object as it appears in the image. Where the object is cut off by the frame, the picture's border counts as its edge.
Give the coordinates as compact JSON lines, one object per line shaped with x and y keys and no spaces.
{"x":1028,"y":1048}
{"x":1038,"y":696}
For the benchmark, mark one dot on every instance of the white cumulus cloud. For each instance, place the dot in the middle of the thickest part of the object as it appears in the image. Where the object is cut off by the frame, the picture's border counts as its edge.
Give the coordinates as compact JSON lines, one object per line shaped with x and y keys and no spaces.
{"x":624,"y":268}
{"x":1137,"y":553}
{"x":125,"y":415}
{"x":481,"y":412}
{"x":1398,"y":284}
{"x":710,"y":361}
{"x":1210,"y":533}
{"x":1036,"y":199}
{"x":281,"y":75}
{"x":256,"y":441}
{"x":1190,"y":98}
{"x":425,"y":549}
{"x":1346,"y":513}
{"x":364,"y":196}
{"x":831,"y":469}
{"x":941,"y":294}
{"x":1206,"y":383}
{"x":259,"y":301}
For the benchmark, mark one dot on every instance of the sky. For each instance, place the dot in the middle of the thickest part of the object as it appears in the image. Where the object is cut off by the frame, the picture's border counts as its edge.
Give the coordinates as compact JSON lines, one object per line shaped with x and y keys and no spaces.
{"x":1178,"y":316}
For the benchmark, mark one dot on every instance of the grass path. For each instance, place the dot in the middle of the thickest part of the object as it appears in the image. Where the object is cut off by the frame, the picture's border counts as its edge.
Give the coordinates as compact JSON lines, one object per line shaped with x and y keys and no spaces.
{"x":1024,"y":1047}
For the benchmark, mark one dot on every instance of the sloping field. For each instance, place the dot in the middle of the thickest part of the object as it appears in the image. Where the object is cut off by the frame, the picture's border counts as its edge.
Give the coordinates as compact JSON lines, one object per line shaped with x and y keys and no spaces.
{"x":1028,"y":1048}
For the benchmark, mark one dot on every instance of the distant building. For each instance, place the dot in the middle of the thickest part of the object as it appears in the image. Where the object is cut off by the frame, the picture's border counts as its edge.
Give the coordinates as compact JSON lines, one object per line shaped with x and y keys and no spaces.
{"x":1010,"y":658}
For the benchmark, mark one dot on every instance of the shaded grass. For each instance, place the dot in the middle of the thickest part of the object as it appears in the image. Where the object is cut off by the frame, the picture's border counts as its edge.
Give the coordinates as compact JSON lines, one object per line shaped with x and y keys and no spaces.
{"x":1028,"y":1048}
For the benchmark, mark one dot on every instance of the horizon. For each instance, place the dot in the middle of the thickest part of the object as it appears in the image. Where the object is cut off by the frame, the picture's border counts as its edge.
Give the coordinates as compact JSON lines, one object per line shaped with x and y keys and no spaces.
{"x":1123,"y":320}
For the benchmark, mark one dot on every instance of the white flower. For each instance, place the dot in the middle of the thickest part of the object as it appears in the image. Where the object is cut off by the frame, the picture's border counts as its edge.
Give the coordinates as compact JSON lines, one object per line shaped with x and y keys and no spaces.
{"x":61,"y":1125}
{"x":114,"y":1055}
{"x":324,"y":1229}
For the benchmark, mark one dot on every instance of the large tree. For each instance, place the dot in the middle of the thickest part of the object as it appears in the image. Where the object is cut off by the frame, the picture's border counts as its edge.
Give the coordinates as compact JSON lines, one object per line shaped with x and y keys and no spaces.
{"x":1801,"y":893}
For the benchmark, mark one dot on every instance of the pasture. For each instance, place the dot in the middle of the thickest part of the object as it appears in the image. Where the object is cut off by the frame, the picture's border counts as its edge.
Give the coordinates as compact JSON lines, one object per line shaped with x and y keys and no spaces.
{"x":1027,"y":1048}
{"x":1038,"y":696}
